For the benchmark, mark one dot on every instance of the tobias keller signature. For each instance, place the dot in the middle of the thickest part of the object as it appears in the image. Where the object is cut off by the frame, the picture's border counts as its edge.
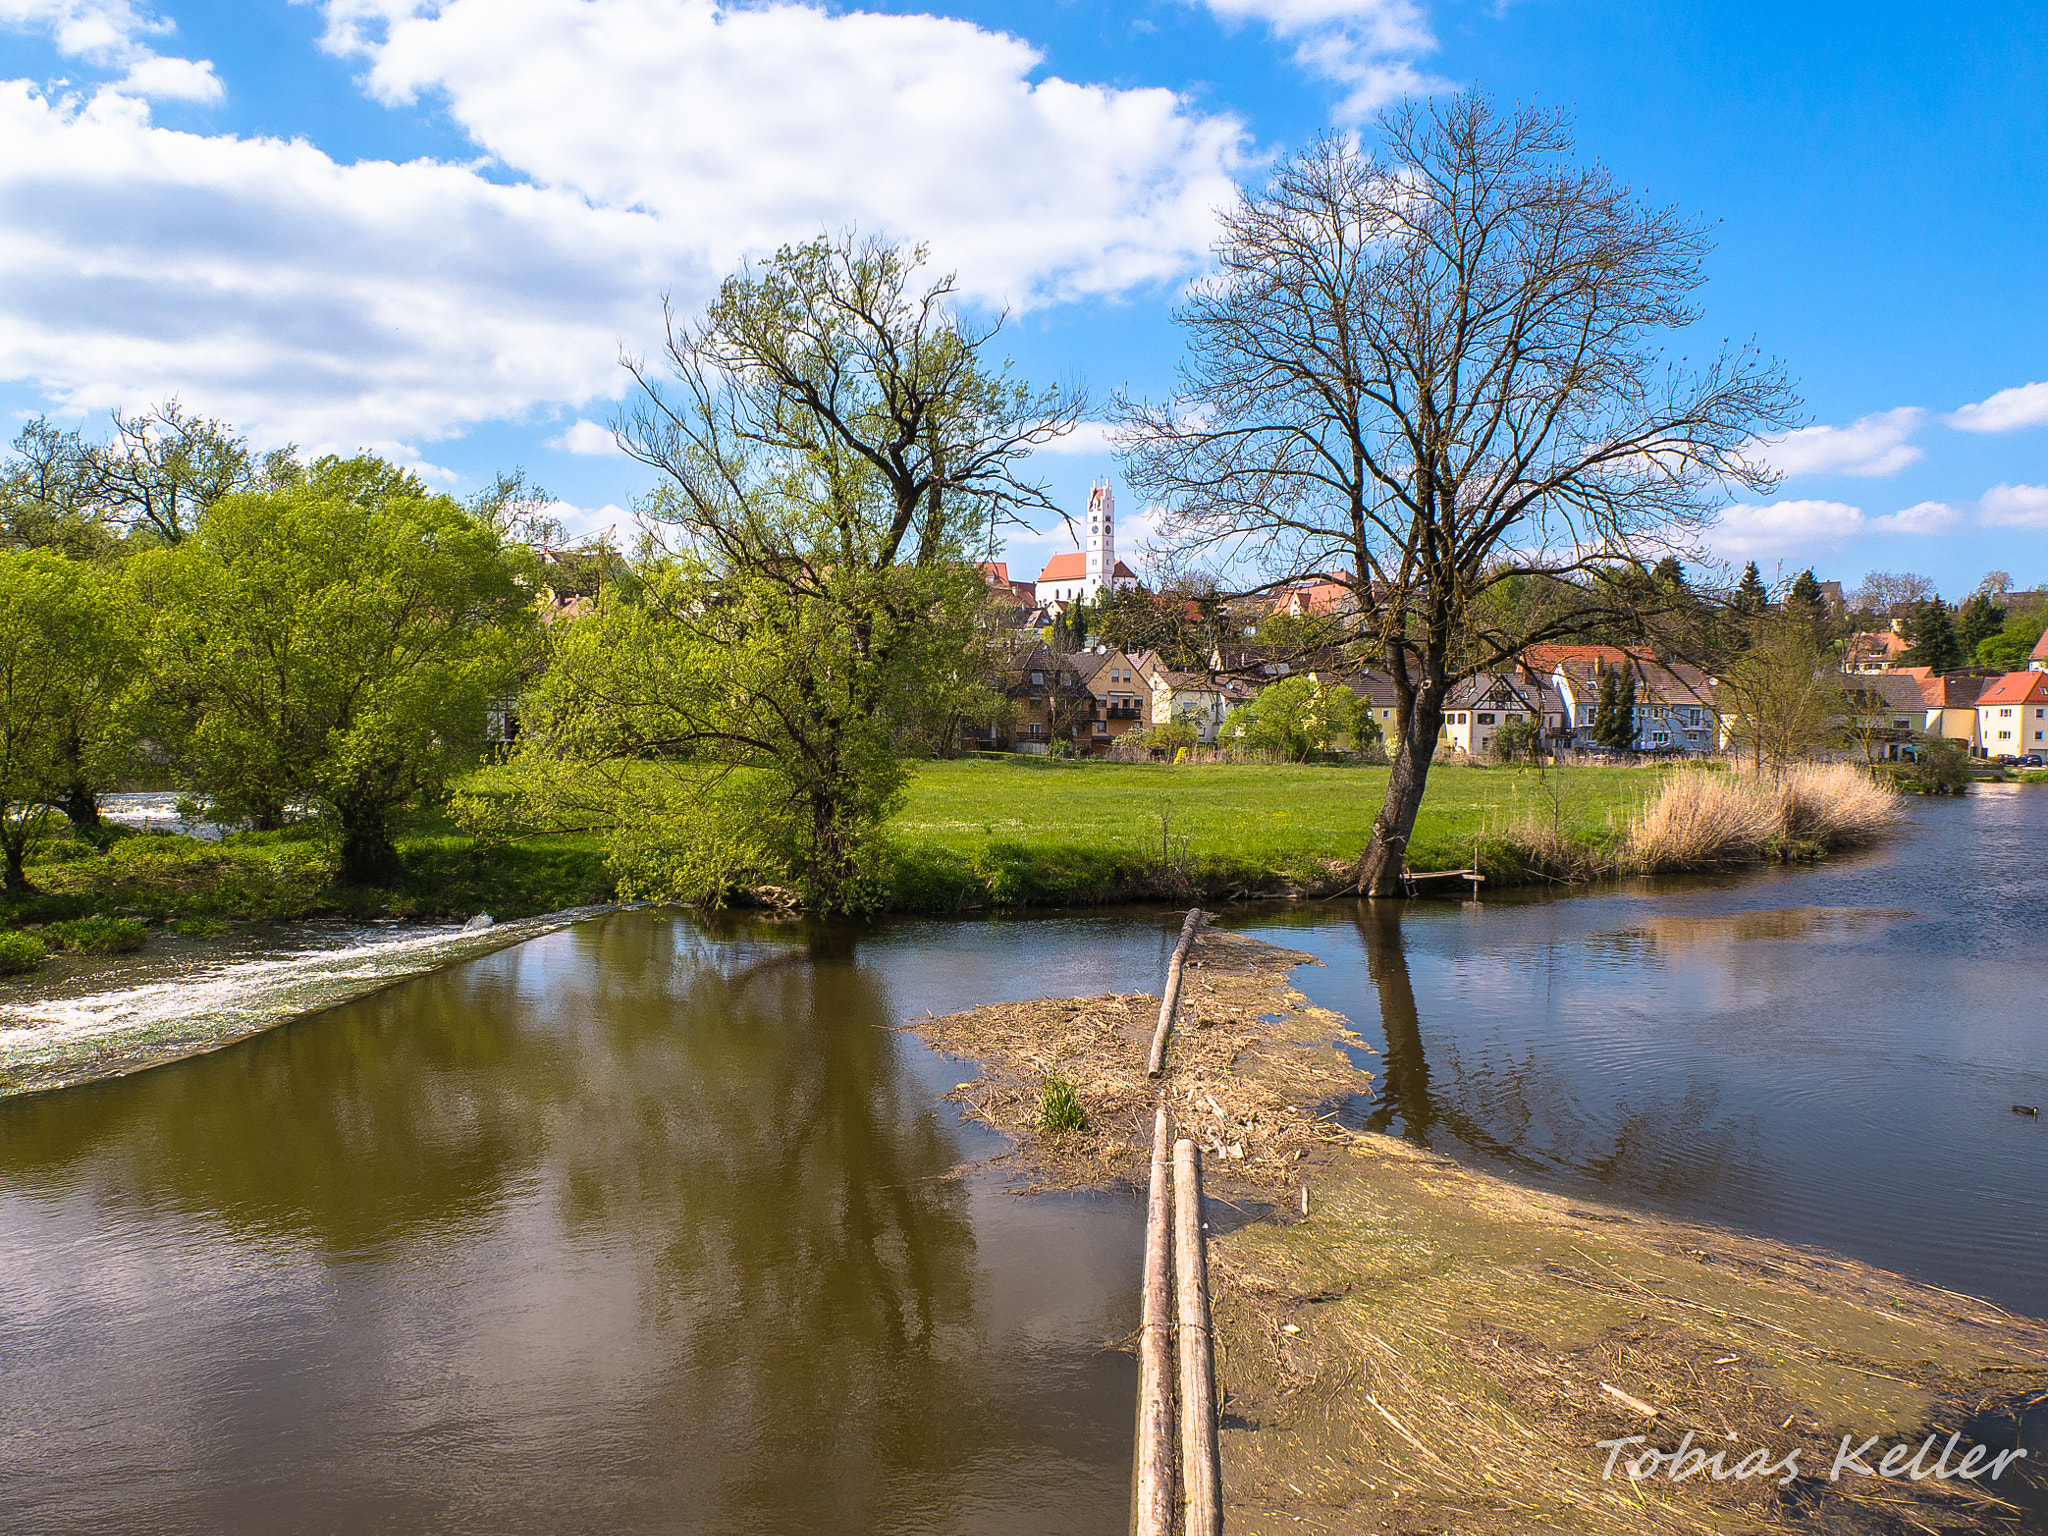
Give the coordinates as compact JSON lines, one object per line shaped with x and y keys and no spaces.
{"x":1688,"y":1460}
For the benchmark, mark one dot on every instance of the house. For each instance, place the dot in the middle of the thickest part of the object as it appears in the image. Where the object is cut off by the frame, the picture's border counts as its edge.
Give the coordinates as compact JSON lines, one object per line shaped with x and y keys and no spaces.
{"x":1675,"y":704}
{"x":1048,"y":703}
{"x":1477,"y":710}
{"x":2037,"y":658}
{"x":1122,"y":701}
{"x":1885,"y":711}
{"x":1874,"y":651}
{"x":1951,"y":700}
{"x":2012,"y":715}
{"x":1084,"y":575}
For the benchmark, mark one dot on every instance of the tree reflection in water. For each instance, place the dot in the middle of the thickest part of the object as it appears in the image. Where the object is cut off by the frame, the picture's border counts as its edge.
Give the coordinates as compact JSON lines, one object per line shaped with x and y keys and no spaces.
{"x":625,"y":1229}
{"x":1524,"y":1111}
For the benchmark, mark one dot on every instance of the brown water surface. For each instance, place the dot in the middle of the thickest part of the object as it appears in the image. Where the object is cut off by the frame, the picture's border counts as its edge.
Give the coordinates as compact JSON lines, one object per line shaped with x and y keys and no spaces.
{"x":630,"y":1228}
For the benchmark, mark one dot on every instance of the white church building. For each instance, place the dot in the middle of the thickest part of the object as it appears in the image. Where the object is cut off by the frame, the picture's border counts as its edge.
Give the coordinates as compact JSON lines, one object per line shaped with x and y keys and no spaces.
{"x":1084,"y":575}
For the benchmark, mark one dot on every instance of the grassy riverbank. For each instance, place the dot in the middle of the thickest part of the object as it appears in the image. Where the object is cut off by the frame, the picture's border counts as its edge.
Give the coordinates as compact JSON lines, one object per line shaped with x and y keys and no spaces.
{"x":1435,"y":1349}
{"x":1026,"y":831}
{"x":1001,"y":832}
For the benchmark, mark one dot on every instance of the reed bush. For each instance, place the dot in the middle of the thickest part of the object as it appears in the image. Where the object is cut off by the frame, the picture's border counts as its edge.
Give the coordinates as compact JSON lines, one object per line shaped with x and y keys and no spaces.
{"x":1836,"y":805}
{"x":20,"y":952}
{"x":1702,"y":820}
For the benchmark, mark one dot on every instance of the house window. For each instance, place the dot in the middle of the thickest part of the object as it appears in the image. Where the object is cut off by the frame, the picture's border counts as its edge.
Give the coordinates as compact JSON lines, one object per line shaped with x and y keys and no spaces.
{"x":1101,"y":726}
{"x":1037,"y":729}
{"x":1485,"y":719}
{"x":1038,"y":679}
{"x":1899,"y":725}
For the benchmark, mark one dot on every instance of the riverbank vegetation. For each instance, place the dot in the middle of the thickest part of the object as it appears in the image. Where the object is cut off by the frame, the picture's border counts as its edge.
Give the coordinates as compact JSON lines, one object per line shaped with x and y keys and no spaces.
{"x":1406,"y":1344}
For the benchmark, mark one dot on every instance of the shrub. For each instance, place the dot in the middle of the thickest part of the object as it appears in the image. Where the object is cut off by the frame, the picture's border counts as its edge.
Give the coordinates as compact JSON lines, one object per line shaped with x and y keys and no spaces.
{"x":200,"y":927}
{"x":98,"y":935}
{"x":1059,"y":1109}
{"x":20,"y":952}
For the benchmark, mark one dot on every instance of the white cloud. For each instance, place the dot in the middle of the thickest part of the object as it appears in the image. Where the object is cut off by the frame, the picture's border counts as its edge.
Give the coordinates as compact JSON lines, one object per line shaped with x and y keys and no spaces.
{"x":2014,"y":506}
{"x":586,"y":437}
{"x":1087,"y":437}
{"x":1922,"y":518}
{"x":1367,"y":46}
{"x":2024,"y":405}
{"x":338,"y":306}
{"x":109,"y":34}
{"x":165,"y":79}
{"x":1870,"y":445}
{"x":748,"y":126}
{"x":652,"y":144}
{"x":594,"y":522}
{"x":1784,"y":528}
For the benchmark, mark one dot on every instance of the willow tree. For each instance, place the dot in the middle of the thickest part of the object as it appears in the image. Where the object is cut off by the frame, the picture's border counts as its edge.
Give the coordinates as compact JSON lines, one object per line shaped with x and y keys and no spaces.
{"x":1430,"y":369}
{"x":836,"y":446}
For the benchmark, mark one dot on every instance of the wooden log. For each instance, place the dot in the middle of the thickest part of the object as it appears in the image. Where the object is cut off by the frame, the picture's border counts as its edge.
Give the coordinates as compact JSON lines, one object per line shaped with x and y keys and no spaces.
{"x":1200,"y":1471}
{"x":1152,"y":1504}
{"x":1156,"y":1062}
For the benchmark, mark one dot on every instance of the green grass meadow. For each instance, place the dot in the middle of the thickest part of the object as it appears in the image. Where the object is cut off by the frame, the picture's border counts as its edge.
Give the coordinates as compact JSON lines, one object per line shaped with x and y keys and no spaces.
{"x":1001,"y":830}
{"x":972,"y":834}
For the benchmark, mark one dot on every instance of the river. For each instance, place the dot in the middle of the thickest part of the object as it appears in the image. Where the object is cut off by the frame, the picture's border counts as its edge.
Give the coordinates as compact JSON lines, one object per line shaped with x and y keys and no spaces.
{"x":652,"y":1224}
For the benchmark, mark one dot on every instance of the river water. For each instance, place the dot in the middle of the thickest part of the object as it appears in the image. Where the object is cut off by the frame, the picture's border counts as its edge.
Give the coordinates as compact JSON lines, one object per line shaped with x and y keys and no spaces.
{"x":647,"y":1224}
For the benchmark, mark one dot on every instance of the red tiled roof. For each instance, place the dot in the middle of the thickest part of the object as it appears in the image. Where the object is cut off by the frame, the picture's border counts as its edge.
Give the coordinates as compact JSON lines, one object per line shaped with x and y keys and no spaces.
{"x":2016,"y":688}
{"x":1064,"y":567}
{"x":997,"y":572}
{"x":1070,"y":567}
{"x":2040,"y":650}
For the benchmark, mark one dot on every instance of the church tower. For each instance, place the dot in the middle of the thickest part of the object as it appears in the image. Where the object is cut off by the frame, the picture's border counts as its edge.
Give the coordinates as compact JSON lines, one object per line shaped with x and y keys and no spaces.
{"x":1101,"y":540}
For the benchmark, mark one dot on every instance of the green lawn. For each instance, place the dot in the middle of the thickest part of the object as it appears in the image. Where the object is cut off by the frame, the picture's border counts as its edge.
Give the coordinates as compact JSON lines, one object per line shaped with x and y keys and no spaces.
{"x":1032,"y":831}
{"x":971,"y":835}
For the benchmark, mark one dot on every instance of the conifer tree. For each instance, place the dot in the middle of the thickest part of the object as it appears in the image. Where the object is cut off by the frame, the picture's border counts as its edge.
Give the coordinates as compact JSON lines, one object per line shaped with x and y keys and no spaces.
{"x":1751,"y":596}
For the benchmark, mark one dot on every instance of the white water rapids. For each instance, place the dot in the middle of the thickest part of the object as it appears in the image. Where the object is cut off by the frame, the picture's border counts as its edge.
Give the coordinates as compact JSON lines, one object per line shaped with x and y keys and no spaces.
{"x":115,"y":1016}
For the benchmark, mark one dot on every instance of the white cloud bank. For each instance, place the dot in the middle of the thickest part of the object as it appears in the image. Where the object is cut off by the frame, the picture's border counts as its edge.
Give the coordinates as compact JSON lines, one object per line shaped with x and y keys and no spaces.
{"x":1871,"y":445}
{"x":653,"y":144}
{"x":1369,"y":47}
{"x":2024,"y":405}
{"x":1808,"y":529}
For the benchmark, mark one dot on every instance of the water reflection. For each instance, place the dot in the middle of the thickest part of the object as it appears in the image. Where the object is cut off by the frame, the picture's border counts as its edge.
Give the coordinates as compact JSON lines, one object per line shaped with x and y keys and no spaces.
{"x":633,"y":1227}
{"x":1824,"y":1054}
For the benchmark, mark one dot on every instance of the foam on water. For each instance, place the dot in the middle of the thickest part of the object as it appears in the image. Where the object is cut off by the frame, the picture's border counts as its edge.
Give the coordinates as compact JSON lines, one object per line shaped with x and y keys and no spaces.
{"x":51,"y":1041}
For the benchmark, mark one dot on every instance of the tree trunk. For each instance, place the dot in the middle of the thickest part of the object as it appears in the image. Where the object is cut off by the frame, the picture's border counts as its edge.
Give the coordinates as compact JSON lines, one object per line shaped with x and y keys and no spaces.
{"x":17,"y":877}
{"x":1379,"y":871}
{"x":82,"y":806}
{"x":368,"y":856}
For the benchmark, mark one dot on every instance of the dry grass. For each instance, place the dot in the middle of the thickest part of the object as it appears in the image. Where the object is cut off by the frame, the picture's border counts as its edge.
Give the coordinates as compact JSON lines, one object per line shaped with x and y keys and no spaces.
{"x":1704,"y":820}
{"x":1426,"y":1351}
{"x":1837,"y":805}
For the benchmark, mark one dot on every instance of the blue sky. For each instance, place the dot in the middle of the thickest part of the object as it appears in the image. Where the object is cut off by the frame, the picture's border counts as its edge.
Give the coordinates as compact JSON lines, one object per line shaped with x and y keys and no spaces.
{"x":429,"y":229}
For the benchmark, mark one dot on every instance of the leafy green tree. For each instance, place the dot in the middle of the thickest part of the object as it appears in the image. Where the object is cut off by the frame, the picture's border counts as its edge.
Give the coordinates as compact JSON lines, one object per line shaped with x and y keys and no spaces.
{"x":336,"y":641}
{"x":836,"y":449}
{"x":45,"y":501}
{"x":2011,"y":646}
{"x":1520,"y":739}
{"x":1296,"y":717}
{"x":1931,"y":638}
{"x":60,"y":650}
{"x":1977,"y":621}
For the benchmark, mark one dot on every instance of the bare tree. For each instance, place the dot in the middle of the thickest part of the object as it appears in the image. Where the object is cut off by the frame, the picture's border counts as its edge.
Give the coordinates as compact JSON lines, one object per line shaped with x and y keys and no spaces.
{"x":1882,"y":591}
{"x":1780,"y":702}
{"x":166,"y":466}
{"x":1436,"y":370}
